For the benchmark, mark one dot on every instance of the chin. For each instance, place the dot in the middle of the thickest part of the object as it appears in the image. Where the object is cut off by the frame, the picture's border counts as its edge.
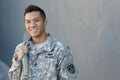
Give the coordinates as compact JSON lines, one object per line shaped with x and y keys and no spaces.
{"x":35,"y":36}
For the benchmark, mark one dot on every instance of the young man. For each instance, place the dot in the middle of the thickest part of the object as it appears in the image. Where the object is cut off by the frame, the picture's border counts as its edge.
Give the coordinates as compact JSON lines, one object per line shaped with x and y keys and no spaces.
{"x":48,"y":58}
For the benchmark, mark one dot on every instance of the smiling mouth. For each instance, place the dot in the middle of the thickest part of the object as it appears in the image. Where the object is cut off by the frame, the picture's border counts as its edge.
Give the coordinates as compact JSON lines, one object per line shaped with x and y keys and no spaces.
{"x":34,"y":30}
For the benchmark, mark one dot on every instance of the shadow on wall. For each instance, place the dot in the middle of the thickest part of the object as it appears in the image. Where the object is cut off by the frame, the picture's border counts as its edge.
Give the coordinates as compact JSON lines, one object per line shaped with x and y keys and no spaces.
{"x":3,"y":71}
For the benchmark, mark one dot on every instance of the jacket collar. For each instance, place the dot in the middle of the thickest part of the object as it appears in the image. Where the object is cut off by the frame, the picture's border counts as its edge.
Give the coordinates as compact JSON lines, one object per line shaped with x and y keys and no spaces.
{"x":50,"y":44}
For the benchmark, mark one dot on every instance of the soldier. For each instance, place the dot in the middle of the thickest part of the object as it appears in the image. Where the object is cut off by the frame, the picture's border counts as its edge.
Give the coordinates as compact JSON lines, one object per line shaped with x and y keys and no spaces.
{"x":48,"y":58}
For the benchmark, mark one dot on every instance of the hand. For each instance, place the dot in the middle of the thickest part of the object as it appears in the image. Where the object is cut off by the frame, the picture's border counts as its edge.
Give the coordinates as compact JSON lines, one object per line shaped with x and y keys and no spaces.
{"x":23,"y":50}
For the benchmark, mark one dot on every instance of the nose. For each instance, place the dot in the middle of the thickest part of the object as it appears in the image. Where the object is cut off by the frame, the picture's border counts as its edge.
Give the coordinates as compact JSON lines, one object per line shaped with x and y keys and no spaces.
{"x":32,"y":24}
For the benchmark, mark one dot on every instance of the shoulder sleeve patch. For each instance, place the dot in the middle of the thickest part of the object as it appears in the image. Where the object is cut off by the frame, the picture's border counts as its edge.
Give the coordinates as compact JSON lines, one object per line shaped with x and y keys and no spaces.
{"x":71,"y":68}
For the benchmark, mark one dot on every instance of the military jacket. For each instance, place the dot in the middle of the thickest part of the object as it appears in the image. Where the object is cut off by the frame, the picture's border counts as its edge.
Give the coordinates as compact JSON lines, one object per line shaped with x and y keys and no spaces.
{"x":51,"y":62}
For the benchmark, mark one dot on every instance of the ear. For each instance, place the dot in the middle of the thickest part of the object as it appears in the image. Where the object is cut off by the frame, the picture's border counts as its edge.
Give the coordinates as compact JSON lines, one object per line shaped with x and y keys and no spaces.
{"x":45,"y":22}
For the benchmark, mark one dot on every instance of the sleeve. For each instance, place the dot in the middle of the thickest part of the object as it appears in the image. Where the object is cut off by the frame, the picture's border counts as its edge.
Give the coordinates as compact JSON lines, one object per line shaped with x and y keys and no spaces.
{"x":15,"y":69}
{"x":67,"y":67}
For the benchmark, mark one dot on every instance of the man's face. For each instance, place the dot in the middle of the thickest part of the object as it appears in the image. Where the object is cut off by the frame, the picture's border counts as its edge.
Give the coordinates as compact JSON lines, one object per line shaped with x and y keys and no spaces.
{"x":34,"y":24}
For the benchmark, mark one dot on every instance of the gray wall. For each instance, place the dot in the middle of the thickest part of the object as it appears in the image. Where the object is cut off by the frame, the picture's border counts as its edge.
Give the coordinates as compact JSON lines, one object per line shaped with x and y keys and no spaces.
{"x":89,"y":27}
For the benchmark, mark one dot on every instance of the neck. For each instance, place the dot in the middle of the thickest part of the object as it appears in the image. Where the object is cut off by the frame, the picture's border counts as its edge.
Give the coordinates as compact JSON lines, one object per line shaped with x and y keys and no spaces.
{"x":40,"y":39}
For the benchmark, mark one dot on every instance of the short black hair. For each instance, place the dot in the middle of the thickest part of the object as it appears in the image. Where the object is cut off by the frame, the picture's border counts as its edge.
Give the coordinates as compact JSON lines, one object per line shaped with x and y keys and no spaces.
{"x":32,"y":8}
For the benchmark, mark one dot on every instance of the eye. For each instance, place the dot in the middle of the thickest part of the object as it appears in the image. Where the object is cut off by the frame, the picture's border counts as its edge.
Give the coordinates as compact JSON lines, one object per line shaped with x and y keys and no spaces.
{"x":27,"y":22}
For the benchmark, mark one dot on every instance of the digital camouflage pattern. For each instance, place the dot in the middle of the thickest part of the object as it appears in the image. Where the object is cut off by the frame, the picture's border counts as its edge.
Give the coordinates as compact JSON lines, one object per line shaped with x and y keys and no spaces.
{"x":51,"y":62}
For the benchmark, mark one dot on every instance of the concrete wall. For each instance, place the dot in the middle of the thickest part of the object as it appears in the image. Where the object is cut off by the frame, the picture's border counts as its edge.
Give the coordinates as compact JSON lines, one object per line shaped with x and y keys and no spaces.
{"x":89,"y":27}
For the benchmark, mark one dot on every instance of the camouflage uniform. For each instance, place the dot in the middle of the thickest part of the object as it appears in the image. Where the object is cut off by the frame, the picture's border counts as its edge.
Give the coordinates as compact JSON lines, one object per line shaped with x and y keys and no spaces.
{"x":51,"y":62}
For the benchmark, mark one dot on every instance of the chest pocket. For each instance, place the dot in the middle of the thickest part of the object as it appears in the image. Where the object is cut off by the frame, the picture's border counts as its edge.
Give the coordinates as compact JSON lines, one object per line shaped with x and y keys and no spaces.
{"x":47,"y":62}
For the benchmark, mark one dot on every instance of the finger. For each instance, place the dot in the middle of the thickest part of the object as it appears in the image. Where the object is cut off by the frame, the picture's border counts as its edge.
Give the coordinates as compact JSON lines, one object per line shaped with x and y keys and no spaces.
{"x":25,"y":49}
